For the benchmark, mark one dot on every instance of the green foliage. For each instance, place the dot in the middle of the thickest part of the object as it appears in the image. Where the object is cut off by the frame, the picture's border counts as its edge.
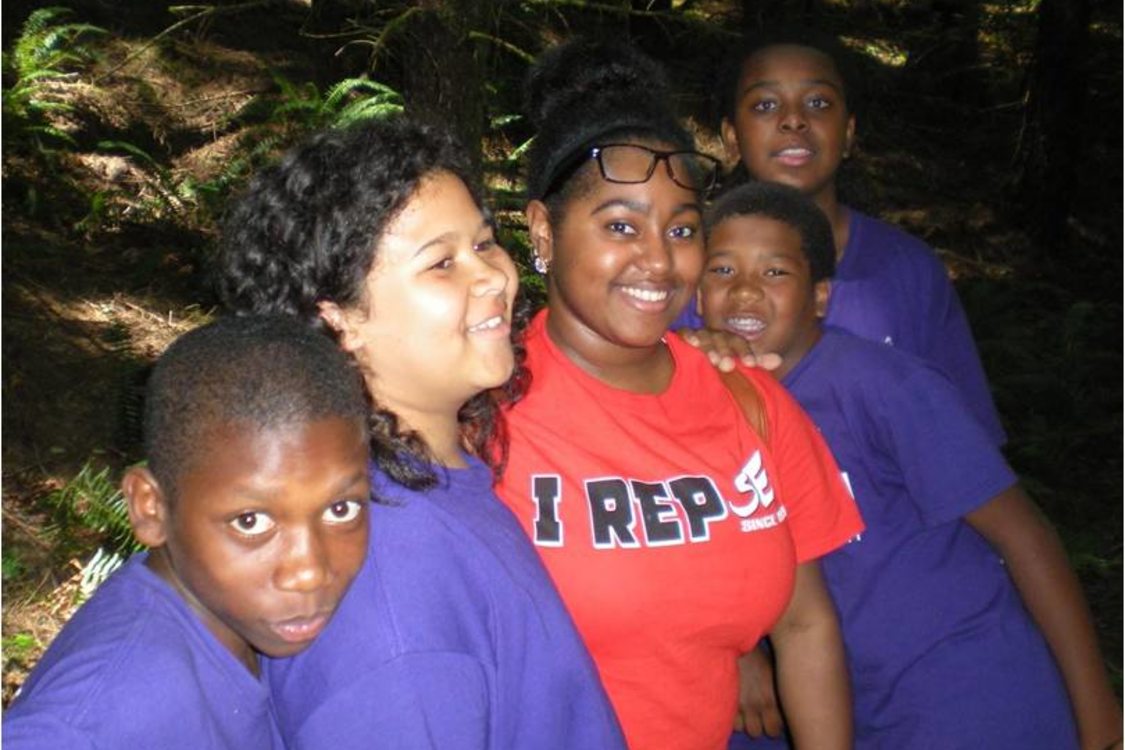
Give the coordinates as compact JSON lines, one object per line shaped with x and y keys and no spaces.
{"x":92,"y":502}
{"x":1047,"y":352}
{"x":98,"y":214}
{"x":161,"y":194}
{"x":306,"y":107}
{"x":12,"y":564}
{"x":21,"y":650}
{"x":209,"y":196}
{"x":46,"y":51}
{"x":19,"y":646}
{"x":44,"y":47}
{"x":164,"y":196}
{"x":274,"y":121}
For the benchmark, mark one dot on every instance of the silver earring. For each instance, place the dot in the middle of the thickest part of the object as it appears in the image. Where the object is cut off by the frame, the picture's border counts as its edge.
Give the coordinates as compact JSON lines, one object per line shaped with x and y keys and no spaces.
{"x":541,"y":266}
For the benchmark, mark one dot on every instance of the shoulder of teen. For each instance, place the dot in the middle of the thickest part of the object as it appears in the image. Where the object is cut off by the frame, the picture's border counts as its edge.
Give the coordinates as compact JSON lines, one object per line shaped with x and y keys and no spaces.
{"x":115,"y":674}
{"x":821,"y":510}
{"x":929,"y":430}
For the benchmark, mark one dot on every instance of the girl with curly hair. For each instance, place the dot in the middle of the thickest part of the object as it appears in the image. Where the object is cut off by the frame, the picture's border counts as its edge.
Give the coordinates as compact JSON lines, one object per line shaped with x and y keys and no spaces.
{"x":452,"y":635}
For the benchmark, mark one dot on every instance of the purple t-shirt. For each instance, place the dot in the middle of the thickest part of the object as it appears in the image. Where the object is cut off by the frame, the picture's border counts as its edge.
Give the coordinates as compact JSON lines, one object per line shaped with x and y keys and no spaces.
{"x":941,"y":652}
{"x":136,"y":668}
{"x":891,"y":288}
{"x":452,"y":636}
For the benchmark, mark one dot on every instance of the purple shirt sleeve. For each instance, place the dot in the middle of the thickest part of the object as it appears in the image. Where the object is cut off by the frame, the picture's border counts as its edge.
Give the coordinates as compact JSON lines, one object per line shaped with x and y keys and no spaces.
{"x":947,"y":460}
{"x":949,"y":345}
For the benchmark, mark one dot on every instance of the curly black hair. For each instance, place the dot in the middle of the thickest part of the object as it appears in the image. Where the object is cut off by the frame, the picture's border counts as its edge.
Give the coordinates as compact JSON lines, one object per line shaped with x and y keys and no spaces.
{"x":584,"y":92}
{"x":307,"y":231}
{"x":261,"y":372}
{"x":787,"y":205}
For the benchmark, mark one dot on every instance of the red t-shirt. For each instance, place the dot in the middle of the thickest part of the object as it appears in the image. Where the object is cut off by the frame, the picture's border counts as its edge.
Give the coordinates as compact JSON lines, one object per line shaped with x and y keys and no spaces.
{"x":671,"y":532}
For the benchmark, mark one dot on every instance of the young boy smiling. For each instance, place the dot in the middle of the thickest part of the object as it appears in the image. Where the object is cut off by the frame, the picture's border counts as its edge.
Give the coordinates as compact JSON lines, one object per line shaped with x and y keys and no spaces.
{"x":957,"y":600}
{"x":254,"y":507}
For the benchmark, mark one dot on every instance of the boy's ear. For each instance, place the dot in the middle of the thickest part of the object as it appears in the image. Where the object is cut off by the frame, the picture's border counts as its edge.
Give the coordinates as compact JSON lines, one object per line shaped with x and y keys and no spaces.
{"x":539,"y":230}
{"x":148,"y":506}
{"x":822,"y":290}
{"x":730,"y":140}
{"x":343,"y":323}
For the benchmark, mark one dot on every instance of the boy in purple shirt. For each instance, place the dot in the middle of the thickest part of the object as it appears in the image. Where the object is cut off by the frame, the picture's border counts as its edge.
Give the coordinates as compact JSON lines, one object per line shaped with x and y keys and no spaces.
{"x":789,"y":117}
{"x":964,"y":625}
{"x":254,"y":507}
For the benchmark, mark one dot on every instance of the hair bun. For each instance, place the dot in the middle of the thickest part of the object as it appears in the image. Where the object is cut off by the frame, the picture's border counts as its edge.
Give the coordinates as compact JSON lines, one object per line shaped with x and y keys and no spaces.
{"x":586,"y":90}
{"x":570,"y":74}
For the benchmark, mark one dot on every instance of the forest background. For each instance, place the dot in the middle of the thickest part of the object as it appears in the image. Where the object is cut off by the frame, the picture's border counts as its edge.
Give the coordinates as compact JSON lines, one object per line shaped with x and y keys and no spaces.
{"x":991,"y":131}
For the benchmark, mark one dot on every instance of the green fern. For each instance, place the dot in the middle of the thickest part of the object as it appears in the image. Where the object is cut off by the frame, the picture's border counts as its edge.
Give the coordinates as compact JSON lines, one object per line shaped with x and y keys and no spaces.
{"x":209,"y":196}
{"x":45,"y":51}
{"x":305,"y":107}
{"x":357,"y":99}
{"x":44,"y":48}
{"x":92,"y":501}
{"x":162,"y":194}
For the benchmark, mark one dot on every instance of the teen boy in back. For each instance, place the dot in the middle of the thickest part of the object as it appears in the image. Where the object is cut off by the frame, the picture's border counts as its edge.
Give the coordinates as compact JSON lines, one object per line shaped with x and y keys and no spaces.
{"x":935,"y":596}
{"x":254,"y":507}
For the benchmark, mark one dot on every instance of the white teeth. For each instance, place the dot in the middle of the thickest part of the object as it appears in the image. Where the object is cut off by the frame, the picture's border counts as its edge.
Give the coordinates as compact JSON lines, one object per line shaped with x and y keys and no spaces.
{"x":493,"y":322}
{"x":645,"y":295}
{"x":746,"y":325}
{"x":794,"y":152}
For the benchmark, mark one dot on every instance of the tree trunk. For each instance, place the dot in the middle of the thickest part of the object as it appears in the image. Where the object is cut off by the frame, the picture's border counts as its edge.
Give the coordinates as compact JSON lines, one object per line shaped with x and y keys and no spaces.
{"x":757,"y":14}
{"x":443,"y":81}
{"x":1052,"y":141}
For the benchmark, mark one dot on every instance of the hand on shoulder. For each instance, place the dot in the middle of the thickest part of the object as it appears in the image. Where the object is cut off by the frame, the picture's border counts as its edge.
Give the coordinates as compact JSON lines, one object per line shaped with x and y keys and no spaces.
{"x":725,"y":350}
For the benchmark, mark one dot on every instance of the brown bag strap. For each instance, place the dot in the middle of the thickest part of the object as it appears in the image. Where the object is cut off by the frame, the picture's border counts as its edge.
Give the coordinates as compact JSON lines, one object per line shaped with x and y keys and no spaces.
{"x":749,"y":400}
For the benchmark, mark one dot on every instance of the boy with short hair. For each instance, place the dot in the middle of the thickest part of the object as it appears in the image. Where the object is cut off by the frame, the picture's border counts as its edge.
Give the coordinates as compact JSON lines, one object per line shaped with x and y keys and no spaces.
{"x":789,"y":99}
{"x":932,"y":596}
{"x":254,"y":508}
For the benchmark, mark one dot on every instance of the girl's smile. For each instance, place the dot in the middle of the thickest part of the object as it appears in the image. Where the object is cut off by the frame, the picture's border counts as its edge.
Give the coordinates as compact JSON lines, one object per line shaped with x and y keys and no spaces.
{"x":434,"y":326}
{"x":624,"y":258}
